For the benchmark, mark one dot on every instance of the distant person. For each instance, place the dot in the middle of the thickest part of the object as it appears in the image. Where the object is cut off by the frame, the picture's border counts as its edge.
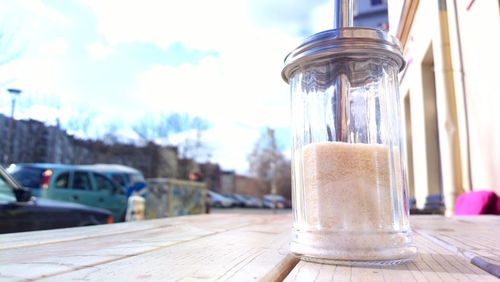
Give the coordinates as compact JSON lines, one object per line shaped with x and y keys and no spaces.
{"x":197,"y":177}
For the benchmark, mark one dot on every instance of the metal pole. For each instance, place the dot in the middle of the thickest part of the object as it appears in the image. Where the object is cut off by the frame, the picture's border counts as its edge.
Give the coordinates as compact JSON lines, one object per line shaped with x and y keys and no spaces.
{"x":7,"y":152}
{"x":342,"y":86}
{"x":343,"y":17}
{"x":343,"y":13}
{"x":270,"y":133}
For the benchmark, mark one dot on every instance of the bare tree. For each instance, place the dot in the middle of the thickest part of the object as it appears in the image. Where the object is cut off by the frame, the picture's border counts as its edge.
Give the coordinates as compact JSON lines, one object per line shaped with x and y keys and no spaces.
{"x":111,"y":137}
{"x":145,"y":128}
{"x":178,"y":122}
{"x":149,"y":128}
{"x":81,"y":122}
{"x":269,"y":164}
{"x":195,"y":147}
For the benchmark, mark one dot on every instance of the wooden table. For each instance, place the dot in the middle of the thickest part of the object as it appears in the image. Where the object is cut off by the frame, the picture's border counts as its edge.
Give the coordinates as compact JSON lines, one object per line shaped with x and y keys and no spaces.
{"x":237,"y":248}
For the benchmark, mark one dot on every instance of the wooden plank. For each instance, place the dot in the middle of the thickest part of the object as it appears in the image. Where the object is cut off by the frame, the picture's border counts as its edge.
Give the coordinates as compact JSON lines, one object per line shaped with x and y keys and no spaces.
{"x":84,"y":246}
{"x":243,"y":247}
{"x":434,"y":263}
{"x":247,"y":253}
{"x":25,"y":239}
{"x":475,"y":238}
{"x":233,"y":247}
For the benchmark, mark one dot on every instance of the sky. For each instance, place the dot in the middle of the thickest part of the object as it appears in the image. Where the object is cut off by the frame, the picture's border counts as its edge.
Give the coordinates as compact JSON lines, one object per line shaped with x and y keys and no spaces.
{"x":120,"y":60}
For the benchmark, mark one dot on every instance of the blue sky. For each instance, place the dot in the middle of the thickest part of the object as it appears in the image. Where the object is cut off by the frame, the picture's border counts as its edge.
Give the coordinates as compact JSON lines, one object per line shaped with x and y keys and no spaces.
{"x":119,"y":60}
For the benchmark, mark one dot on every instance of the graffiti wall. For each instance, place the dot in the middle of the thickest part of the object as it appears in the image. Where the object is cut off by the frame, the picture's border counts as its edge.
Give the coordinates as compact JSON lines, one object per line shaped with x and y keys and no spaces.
{"x":171,"y":197}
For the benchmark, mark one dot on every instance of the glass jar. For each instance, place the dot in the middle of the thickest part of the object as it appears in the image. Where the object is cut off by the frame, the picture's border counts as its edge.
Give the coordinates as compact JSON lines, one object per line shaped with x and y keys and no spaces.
{"x":348,"y":168}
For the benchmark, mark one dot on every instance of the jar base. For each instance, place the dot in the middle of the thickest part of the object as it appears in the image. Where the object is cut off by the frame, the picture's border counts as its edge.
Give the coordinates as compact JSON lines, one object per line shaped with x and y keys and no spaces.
{"x":360,"y":263}
{"x":353,"y":248}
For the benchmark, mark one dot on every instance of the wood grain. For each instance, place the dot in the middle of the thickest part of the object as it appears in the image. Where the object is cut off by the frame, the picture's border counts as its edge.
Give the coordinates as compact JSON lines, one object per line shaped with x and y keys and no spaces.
{"x":233,"y":247}
{"x":474,"y":238}
{"x":434,"y":263}
{"x":450,"y":249}
{"x":230,"y":247}
{"x":25,"y":239}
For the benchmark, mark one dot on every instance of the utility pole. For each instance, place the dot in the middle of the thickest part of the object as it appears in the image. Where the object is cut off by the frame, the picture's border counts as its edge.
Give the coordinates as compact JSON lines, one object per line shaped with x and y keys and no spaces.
{"x":270,"y":133}
{"x":7,"y":152}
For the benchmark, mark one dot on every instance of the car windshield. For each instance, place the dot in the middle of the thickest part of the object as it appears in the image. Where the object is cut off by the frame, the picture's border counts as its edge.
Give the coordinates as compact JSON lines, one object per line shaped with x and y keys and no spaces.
{"x":29,"y":177}
{"x":6,"y":194}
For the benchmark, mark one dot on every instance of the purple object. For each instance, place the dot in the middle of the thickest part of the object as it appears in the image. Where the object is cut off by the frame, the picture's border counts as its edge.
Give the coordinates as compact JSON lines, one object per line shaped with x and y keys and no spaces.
{"x":477,"y":202}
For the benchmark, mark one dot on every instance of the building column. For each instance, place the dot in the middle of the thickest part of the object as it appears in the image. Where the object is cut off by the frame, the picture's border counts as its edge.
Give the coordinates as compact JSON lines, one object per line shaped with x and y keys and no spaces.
{"x":419,"y":135}
{"x":451,"y":171}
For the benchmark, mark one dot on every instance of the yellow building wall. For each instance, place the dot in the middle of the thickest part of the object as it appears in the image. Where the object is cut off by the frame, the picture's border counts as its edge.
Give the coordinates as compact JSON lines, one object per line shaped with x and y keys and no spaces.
{"x":477,"y":24}
{"x":451,"y":96}
{"x":428,"y":95}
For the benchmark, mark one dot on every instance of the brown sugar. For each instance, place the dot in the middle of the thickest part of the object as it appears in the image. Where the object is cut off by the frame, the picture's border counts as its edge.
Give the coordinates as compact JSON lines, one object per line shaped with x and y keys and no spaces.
{"x":347,"y":186}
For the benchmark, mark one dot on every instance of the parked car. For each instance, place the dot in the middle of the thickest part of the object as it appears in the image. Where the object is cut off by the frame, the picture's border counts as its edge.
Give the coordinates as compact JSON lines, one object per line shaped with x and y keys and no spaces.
{"x":128,"y":177}
{"x":72,"y":183}
{"x":279,"y":201}
{"x":20,"y":212}
{"x":252,"y":202}
{"x":245,"y":200}
{"x":239,"y":201}
{"x":219,"y":201}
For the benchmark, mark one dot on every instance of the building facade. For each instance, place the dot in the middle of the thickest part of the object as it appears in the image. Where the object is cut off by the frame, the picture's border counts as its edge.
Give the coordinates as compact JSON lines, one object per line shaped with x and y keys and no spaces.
{"x":371,"y":13}
{"x":449,"y":95}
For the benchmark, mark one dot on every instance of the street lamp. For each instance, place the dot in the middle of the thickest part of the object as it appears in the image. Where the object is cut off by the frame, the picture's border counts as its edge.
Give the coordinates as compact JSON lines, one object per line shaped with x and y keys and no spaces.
{"x":7,"y":153}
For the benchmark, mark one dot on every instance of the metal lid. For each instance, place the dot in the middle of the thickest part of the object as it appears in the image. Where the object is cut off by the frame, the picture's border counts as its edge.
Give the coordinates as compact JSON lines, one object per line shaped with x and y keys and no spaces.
{"x":344,"y":42}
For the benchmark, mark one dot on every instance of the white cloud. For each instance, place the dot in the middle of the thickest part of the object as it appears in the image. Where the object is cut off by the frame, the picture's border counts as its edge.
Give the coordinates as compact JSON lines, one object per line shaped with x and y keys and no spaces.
{"x":229,"y":143}
{"x":204,"y":25}
{"x":322,"y":17}
{"x":296,"y":16}
{"x":35,"y":74}
{"x":98,"y":50}
{"x":239,"y":91}
{"x":243,"y":83}
{"x":237,"y":102}
{"x":232,"y":144}
{"x":46,"y":114}
{"x":37,"y":7}
{"x":58,"y":47}
{"x":165,"y":22}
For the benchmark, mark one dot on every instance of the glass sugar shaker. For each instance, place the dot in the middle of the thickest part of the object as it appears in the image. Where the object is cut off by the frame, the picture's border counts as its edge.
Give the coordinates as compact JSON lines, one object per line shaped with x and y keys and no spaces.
{"x":348,"y":158}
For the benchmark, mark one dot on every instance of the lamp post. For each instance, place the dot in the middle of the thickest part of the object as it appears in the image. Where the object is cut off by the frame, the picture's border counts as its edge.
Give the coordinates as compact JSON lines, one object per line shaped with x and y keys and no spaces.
{"x":7,"y":152}
{"x":270,"y":133}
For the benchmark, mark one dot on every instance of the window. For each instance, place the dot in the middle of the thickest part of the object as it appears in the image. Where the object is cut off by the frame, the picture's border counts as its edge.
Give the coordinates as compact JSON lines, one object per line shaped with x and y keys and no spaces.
{"x":28,"y":177}
{"x":120,"y":179}
{"x":62,"y":180}
{"x":81,"y":181}
{"x":103,"y":183}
